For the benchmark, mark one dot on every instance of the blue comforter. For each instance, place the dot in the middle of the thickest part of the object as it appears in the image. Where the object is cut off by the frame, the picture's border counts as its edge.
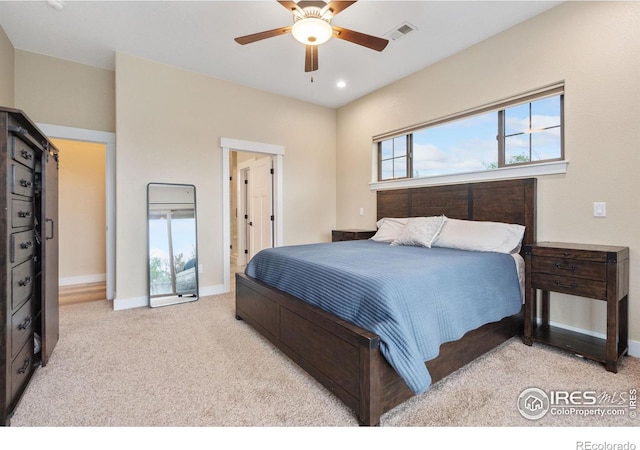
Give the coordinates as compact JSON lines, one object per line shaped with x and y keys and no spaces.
{"x":414,"y":298}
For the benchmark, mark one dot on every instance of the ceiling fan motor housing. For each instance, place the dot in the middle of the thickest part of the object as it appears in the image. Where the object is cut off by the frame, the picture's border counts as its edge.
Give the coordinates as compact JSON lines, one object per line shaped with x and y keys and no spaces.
{"x":312,"y":25}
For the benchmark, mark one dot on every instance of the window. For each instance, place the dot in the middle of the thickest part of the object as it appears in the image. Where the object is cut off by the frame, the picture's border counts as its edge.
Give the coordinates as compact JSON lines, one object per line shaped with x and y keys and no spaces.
{"x":512,"y":133}
{"x":394,"y":158}
{"x":532,"y":131}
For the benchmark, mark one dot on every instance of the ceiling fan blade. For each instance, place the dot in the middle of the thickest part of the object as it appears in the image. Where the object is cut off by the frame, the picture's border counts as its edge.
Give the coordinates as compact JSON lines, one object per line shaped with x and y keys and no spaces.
{"x":311,"y":58}
{"x":366,"y":40}
{"x":289,"y":4}
{"x":248,"y":39}
{"x":337,"y":6}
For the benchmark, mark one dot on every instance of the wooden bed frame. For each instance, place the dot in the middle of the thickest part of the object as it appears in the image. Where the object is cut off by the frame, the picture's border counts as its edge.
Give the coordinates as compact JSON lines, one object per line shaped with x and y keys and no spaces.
{"x":345,"y":358}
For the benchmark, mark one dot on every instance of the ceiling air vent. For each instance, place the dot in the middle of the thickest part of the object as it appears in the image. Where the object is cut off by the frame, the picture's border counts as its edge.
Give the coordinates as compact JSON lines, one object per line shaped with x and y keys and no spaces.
{"x":400,"y":31}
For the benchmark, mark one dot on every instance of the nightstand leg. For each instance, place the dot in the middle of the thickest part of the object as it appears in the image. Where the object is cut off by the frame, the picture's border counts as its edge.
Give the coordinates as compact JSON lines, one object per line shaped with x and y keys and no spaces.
{"x":612,"y":335}
{"x":623,"y":325}
{"x":529,"y":314}
{"x":544,"y":313}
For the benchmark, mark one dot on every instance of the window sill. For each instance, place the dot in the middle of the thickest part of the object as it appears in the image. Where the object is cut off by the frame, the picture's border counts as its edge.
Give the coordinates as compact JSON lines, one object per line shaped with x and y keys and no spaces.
{"x":533,"y":170}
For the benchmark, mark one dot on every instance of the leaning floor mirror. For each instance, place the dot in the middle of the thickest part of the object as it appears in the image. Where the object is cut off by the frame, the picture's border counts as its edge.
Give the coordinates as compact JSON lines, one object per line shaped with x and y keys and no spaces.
{"x":172,"y":244}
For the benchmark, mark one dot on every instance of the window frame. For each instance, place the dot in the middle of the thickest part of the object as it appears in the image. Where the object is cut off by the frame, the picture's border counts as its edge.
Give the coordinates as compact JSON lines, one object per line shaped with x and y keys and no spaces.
{"x":408,"y":155}
{"x":515,"y":170}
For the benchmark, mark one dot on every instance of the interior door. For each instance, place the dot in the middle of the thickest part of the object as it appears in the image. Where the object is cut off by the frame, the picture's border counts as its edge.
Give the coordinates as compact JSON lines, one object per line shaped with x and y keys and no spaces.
{"x":50,"y":308}
{"x":260,"y":189}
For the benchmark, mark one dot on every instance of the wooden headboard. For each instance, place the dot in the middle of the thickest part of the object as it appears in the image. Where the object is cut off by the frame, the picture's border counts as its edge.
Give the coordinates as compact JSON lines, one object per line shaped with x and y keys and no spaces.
{"x":510,"y":201}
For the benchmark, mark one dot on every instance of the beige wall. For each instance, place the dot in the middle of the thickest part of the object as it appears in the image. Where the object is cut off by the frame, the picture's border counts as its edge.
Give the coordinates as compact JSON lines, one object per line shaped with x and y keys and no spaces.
{"x":169,"y":124}
{"x":58,"y":92}
{"x":81,"y":188}
{"x":595,"y":48}
{"x":7,"y":70}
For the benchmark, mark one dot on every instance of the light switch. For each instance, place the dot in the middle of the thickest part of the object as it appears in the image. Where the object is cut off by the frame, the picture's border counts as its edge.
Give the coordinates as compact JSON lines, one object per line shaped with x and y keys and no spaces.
{"x":599,"y":209}
{"x":362,"y":211}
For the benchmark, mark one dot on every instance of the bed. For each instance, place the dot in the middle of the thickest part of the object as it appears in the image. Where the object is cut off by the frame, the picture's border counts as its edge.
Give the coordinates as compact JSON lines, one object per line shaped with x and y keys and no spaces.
{"x":347,"y":358}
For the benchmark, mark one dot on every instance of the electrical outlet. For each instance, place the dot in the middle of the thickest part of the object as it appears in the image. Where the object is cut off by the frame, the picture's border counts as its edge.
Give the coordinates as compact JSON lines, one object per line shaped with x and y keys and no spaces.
{"x":362,"y":211}
{"x":599,"y":209}
{"x":199,"y":268}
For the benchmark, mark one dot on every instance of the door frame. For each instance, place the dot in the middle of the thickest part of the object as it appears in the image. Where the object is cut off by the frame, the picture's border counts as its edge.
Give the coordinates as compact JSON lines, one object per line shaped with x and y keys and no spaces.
{"x":228,"y":145}
{"x":109,"y":140}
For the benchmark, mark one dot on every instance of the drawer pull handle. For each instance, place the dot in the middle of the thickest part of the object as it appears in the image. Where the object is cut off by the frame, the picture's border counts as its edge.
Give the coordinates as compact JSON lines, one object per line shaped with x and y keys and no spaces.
{"x":26,"y":155}
{"x":560,"y":267}
{"x":52,"y":229}
{"x":24,"y":213}
{"x":25,"y":367}
{"x":25,"y":281}
{"x":568,"y":286}
{"x":24,"y":325}
{"x":26,"y":245}
{"x":25,"y":183}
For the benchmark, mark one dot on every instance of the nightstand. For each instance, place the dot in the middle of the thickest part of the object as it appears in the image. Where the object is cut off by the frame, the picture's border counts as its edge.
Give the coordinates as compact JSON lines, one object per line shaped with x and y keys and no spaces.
{"x":593,"y":271}
{"x":350,"y":235}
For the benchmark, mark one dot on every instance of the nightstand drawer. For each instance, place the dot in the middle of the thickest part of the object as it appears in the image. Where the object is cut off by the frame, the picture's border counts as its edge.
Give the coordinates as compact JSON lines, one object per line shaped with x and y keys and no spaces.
{"x":351,"y":235}
{"x":571,"y":251}
{"x":570,"y":268}
{"x":569,"y":285}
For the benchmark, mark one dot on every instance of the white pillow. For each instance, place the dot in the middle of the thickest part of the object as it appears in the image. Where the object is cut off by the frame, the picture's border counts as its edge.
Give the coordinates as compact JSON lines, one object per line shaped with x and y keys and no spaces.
{"x":389,"y":229}
{"x":480,"y":236}
{"x":420,"y":231}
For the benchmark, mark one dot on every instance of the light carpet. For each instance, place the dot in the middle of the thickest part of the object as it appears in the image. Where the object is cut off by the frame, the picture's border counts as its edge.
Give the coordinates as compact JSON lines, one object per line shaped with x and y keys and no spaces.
{"x":195,"y":365}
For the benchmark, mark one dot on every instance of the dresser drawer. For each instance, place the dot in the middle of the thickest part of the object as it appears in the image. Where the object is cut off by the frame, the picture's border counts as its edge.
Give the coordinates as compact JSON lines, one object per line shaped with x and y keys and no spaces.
{"x":21,"y":369}
{"x":569,"y":285}
{"x":22,"y":152}
{"x":21,"y":327}
{"x":570,"y":268}
{"x":22,"y":281}
{"x":21,"y":180}
{"x":22,"y":246}
{"x":21,"y":213}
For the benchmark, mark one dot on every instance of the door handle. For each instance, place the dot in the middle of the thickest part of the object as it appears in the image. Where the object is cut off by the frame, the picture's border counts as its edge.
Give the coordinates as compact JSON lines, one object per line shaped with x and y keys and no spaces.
{"x":51,"y":229}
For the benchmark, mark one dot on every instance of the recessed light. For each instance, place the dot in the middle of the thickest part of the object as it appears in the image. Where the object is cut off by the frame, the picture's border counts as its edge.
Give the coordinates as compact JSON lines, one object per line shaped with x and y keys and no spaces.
{"x":341,"y":84}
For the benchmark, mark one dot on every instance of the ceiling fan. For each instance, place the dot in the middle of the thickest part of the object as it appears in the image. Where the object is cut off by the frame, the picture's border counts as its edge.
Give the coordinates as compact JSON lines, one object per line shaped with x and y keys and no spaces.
{"x":312,"y":27}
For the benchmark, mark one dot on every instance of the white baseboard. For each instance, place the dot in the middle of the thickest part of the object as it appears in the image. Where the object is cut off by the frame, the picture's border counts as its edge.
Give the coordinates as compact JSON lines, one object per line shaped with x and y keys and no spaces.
{"x":139,"y":302}
{"x":634,"y":346}
{"x":212,"y":290}
{"x":83,"y":279}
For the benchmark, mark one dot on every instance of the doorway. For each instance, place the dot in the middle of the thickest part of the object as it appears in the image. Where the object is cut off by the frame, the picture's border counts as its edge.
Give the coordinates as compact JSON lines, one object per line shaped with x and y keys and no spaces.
{"x":229,"y":148}
{"x":253,"y":228}
{"x":109,"y":140}
{"x":82,"y":209}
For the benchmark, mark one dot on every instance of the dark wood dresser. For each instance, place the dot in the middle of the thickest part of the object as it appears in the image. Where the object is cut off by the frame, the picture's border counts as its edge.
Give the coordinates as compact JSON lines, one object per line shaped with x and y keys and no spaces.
{"x":29,"y":255}
{"x":599,"y":272}
{"x":351,"y":235}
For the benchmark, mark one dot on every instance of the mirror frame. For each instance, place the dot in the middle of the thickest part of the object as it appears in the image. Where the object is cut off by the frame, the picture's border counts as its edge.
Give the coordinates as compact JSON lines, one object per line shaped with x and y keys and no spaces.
{"x":173,"y":298}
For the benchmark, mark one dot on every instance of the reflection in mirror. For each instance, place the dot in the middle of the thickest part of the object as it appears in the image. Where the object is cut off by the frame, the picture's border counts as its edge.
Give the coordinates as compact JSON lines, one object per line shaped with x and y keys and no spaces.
{"x":173,"y":247}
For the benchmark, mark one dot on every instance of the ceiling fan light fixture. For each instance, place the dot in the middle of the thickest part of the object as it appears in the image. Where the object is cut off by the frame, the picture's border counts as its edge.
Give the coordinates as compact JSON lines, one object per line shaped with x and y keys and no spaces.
{"x":312,"y":31}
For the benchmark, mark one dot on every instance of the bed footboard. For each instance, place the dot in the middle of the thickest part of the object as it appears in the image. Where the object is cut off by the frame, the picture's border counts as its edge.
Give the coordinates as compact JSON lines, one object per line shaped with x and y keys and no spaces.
{"x":341,"y":356}
{"x":345,"y":358}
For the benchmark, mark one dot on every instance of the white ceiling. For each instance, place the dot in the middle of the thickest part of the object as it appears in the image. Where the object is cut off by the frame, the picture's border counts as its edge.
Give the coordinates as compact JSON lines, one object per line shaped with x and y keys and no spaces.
{"x":198,"y":36}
